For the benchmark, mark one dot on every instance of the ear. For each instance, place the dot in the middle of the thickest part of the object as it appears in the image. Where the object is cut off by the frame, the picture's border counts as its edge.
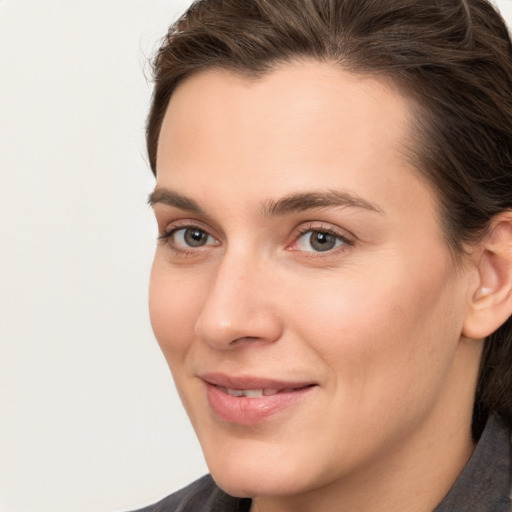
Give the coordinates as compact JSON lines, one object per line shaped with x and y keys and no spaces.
{"x":491,"y":295}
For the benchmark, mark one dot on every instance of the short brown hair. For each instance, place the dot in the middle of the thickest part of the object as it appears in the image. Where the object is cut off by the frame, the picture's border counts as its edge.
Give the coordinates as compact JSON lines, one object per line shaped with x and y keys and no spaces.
{"x":454,"y":57}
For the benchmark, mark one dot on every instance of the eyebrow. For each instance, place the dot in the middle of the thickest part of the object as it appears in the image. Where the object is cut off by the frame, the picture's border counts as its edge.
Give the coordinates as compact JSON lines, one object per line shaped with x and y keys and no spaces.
{"x":311,"y":200}
{"x":171,"y":198}
{"x":273,"y":208}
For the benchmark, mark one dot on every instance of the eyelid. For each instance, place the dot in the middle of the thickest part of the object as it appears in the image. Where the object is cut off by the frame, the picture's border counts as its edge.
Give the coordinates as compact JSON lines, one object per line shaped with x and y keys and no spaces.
{"x":166,"y":228}
{"x":168,"y":217}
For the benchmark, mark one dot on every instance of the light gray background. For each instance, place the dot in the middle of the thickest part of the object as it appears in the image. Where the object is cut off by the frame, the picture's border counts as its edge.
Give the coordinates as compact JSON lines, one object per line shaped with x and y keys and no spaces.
{"x":89,"y":419}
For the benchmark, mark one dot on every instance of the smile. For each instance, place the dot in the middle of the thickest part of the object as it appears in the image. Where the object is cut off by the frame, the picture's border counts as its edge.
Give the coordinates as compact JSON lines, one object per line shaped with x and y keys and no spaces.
{"x":251,"y":401}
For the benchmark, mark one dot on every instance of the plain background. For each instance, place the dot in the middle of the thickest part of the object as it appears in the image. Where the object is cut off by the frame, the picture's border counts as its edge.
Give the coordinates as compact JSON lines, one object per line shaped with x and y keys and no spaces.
{"x":89,"y":419}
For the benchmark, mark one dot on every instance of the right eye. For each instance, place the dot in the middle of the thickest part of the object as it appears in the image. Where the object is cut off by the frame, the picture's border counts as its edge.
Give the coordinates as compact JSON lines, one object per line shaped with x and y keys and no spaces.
{"x":188,"y":238}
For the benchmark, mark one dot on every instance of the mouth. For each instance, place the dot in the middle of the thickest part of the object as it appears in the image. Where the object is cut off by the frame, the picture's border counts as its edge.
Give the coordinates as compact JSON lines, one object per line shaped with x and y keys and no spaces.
{"x":250,"y":401}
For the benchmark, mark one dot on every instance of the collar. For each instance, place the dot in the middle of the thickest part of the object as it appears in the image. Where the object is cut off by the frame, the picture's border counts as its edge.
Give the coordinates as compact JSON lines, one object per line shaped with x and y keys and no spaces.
{"x":484,"y":484}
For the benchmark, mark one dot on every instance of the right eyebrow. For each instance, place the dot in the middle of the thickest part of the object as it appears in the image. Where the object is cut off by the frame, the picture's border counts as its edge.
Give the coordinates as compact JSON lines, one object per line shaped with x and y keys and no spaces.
{"x":170,"y":198}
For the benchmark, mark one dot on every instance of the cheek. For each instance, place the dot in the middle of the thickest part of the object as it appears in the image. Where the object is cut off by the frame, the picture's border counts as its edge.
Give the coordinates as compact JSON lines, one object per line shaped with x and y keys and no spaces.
{"x":386,"y":337}
{"x":173,"y":309}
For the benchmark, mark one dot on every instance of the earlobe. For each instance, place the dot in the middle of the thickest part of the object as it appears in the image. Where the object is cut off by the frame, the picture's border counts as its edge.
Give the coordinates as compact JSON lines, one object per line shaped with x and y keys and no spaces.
{"x":491,"y":298}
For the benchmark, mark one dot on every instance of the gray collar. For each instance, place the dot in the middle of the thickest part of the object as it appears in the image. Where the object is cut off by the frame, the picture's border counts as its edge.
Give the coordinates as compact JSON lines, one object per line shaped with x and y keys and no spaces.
{"x":484,"y":484}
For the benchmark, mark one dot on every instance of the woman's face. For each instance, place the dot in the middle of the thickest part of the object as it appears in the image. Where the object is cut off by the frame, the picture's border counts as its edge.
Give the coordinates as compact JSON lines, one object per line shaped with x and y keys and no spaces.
{"x":302,"y":292}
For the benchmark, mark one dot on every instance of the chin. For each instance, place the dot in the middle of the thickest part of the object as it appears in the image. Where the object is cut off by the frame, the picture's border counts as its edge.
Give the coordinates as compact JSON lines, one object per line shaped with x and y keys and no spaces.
{"x":254,"y":484}
{"x":262,"y":473}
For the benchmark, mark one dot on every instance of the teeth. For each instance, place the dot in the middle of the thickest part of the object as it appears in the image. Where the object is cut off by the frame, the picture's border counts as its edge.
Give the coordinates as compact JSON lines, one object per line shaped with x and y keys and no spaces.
{"x":251,"y":393}
{"x":235,"y":392}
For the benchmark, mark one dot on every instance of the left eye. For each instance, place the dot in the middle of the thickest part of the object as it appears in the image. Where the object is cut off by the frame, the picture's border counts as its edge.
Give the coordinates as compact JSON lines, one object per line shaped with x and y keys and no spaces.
{"x":191,"y":237}
{"x":319,"y":241}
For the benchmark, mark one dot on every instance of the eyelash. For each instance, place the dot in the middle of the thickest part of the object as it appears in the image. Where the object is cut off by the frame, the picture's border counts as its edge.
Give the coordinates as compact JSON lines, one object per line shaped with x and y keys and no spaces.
{"x":167,"y":235}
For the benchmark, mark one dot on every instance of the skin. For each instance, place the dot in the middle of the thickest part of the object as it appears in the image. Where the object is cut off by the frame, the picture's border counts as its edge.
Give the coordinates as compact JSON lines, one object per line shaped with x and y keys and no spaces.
{"x":376,"y":322}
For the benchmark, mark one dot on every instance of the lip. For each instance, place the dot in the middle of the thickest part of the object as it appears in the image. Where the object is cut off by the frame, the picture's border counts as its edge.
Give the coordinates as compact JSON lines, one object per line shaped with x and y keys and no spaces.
{"x":247,"y":411}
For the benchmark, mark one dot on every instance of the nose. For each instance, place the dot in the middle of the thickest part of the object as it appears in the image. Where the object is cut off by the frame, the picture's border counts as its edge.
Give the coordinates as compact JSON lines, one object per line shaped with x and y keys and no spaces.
{"x":238,"y":306}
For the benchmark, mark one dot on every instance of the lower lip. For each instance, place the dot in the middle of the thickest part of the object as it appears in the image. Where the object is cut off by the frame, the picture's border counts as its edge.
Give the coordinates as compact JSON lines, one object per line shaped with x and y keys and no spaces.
{"x":246,"y":411}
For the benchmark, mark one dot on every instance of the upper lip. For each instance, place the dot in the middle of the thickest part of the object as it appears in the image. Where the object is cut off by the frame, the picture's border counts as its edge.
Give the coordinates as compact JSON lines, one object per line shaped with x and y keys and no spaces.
{"x":249,"y":382}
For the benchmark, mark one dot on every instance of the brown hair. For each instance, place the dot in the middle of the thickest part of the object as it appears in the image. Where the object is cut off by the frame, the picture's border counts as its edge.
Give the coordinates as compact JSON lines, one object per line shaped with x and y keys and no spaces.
{"x":454,"y":57}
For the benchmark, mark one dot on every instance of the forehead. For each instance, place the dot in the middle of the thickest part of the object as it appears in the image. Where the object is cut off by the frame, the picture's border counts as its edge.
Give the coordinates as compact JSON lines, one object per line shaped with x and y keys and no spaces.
{"x":283,"y":107}
{"x":310,"y":124}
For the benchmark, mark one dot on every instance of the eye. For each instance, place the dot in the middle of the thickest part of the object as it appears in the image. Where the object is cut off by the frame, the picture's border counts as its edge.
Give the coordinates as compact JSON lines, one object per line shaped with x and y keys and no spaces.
{"x":192,"y":237}
{"x":188,"y":238}
{"x":319,"y":241}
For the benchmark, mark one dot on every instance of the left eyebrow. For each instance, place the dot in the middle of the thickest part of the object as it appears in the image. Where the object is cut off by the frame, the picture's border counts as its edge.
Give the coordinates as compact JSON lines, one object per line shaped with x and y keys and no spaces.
{"x":310,"y":200}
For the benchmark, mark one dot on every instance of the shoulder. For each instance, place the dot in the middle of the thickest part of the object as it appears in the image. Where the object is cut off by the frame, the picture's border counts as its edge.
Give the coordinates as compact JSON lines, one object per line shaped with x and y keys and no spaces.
{"x":203,"y":495}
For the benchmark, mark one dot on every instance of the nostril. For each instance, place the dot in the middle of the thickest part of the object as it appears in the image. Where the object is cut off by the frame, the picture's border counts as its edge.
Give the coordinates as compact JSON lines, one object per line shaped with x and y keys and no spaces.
{"x":246,"y":339}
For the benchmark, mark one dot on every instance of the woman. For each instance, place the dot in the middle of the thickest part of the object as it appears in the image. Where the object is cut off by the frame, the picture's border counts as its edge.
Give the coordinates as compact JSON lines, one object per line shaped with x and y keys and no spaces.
{"x":332,"y":287}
